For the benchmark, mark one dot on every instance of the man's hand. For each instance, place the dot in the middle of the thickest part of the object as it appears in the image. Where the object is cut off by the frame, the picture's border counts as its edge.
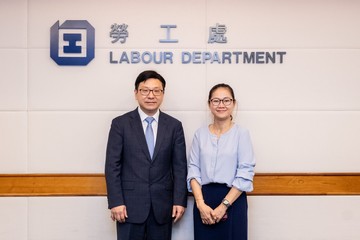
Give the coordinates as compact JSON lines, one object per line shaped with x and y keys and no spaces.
{"x":178,"y":212}
{"x":119,"y":213}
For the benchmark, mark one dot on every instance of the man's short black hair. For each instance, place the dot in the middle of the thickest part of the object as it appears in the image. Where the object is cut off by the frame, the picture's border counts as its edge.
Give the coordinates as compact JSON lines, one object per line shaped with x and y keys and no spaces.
{"x":145,"y":75}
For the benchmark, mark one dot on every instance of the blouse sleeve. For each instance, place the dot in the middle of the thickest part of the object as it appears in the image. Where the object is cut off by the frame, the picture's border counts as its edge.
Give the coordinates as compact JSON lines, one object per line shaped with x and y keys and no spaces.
{"x":194,"y":162}
{"x":245,"y":163}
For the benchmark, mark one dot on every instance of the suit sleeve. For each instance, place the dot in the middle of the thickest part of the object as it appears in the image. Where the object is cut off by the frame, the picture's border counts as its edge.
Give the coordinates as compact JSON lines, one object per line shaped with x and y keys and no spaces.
{"x":113,"y":165}
{"x":179,"y":167}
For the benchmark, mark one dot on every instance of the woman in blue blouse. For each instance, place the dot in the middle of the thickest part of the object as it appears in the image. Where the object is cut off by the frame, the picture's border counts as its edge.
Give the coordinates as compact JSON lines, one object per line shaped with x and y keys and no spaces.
{"x":221,"y":171}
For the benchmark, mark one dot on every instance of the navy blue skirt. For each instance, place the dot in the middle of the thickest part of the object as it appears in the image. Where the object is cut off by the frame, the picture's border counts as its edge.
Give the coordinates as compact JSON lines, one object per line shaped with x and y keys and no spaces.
{"x":235,"y":227}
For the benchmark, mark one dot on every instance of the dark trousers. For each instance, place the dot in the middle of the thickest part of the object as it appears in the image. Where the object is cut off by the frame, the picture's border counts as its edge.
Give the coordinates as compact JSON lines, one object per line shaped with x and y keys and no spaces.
{"x":234,"y":227}
{"x":149,"y":230}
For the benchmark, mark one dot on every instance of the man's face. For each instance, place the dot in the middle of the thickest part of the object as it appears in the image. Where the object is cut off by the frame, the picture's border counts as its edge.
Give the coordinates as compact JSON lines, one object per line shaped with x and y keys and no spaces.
{"x":150,"y":102}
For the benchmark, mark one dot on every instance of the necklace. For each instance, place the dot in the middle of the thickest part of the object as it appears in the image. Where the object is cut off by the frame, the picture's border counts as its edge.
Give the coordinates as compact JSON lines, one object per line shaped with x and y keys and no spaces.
{"x":218,"y":131}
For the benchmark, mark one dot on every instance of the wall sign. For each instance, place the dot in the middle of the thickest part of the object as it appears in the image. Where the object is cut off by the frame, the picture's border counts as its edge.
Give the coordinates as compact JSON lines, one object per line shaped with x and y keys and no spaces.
{"x":73,"y":43}
{"x":217,"y":35}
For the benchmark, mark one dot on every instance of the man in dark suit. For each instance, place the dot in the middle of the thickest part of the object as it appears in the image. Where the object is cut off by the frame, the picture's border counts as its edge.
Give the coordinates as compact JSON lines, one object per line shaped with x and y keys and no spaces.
{"x":146,"y":166}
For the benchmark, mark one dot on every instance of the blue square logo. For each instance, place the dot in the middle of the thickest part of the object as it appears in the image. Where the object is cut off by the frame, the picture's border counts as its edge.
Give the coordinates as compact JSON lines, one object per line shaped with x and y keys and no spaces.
{"x":72,"y":43}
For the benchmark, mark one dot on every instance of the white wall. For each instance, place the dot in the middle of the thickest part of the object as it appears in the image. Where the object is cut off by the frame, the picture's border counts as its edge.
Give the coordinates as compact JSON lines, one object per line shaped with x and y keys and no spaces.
{"x":303,"y":115}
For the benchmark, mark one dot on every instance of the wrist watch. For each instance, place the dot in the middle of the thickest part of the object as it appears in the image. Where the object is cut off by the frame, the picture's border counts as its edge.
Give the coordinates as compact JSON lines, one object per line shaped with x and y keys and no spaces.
{"x":226,"y":203}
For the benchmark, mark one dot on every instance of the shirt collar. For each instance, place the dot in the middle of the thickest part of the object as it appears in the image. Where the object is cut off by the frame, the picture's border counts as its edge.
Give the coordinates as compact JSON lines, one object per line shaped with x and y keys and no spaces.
{"x":143,"y":115}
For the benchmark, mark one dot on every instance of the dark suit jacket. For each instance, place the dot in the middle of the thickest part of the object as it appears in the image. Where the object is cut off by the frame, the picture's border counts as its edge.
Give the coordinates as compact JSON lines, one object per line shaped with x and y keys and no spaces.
{"x":135,"y":180}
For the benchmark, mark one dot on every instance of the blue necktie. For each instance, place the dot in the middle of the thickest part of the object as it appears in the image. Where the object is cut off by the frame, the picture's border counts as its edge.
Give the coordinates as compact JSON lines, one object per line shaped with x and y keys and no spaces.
{"x":149,"y":135}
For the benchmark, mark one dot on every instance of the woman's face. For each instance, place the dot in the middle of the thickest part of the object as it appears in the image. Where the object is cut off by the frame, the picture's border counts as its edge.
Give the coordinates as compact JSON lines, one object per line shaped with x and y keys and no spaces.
{"x":221,"y":104}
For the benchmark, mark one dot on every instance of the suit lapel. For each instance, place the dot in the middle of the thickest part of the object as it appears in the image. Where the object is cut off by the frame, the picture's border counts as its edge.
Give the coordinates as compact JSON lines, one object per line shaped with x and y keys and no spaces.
{"x":162,"y":126}
{"x":138,"y":130}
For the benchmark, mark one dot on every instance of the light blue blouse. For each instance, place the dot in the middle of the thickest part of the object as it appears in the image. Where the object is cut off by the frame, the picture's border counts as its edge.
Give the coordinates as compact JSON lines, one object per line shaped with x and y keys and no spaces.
{"x":228,"y":159}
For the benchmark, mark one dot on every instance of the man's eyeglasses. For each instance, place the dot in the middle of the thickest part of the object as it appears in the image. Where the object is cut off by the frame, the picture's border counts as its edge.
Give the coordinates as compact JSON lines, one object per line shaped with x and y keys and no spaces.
{"x":156,"y":92}
{"x":226,"y":101}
